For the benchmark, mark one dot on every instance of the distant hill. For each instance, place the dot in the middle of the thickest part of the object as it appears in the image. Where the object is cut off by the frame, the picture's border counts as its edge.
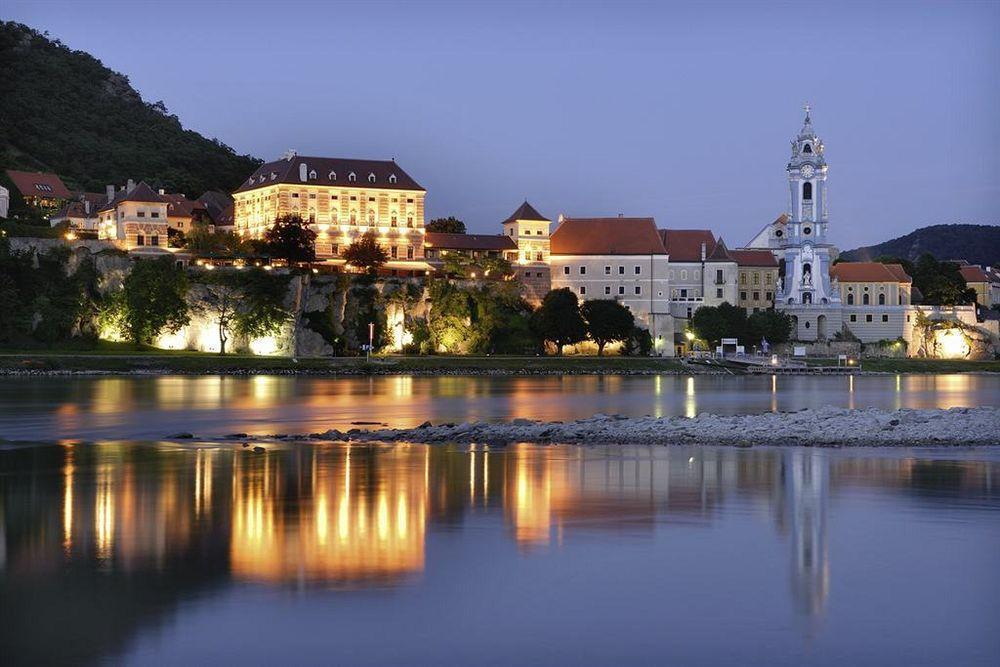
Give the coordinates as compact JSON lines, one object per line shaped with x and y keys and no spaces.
{"x":978,"y":244}
{"x":63,"y":111}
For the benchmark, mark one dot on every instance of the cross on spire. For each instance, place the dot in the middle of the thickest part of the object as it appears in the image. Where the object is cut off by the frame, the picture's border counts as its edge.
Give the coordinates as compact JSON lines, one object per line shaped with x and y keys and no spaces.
{"x":808,"y":108}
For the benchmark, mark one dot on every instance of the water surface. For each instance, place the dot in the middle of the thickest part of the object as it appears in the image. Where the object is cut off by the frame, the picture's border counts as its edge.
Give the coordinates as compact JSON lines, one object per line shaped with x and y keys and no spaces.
{"x":156,"y":553}
{"x":155,"y":407}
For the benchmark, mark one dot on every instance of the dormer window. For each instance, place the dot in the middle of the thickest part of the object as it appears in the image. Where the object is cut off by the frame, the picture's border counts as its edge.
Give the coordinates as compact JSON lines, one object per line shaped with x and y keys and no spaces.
{"x":807,"y":148}
{"x":392,"y":178}
{"x":371,"y":178}
{"x":273,"y":176}
{"x":352,"y":177}
{"x":332,"y":175}
{"x":312,"y":175}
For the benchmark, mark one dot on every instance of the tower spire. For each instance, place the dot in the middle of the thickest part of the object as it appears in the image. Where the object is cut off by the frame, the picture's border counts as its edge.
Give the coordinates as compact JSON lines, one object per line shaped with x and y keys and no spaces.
{"x":808,"y":108}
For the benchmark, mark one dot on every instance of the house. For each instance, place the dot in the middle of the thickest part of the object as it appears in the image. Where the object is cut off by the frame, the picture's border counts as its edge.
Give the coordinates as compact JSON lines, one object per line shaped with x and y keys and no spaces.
{"x":617,"y":258}
{"x":530,"y":231}
{"x":986,"y":282}
{"x":875,"y":299}
{"x":701,"y":272}
{"x":41,"y":190}
{"x":437,"y":245}
{"x":758,"y":278}
{"x":80,"y":212}
{"x":135,"y":218}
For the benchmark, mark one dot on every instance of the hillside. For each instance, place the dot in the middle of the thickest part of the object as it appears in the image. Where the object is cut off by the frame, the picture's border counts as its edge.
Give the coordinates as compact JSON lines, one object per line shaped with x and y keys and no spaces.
{"x":978,"y":244}
{"x":65,"y":112}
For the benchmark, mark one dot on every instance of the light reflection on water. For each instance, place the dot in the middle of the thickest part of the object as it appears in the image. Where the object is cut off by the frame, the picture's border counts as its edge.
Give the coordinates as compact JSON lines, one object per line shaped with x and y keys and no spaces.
{"x":155,"y":407}
{"x":142,"y":532}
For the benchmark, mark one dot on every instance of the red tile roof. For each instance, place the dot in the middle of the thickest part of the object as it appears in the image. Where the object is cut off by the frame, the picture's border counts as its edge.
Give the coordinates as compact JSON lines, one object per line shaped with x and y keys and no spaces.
{"x":448,"y":241}
{"x":684,"y":245}
{"x":38,"y":184}
{"x":973,"y":274}
{"x":869,"y":272}
{"x":140,"y":193}
{"x":332,"y":172}
{"x":607,"y":236}
{"x":763,"y":258}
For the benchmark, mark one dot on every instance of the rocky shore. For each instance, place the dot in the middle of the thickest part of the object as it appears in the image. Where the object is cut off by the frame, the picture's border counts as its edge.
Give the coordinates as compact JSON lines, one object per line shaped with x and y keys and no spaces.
{"x":830,"y":427}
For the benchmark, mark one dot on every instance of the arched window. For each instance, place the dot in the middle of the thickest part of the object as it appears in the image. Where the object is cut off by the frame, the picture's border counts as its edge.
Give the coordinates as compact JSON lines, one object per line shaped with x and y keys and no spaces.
{"x":865,"y":300}
{"x":352,"y":177}
{"x":850,"y":299}
{"x":807,"y":191}
{"x":312,"y":175}
{"x":807,"y":148}
{"x":881,"y":299}
{"x":332,"y":175}
{"x":807,"y":297}
{"x":371,"y":178}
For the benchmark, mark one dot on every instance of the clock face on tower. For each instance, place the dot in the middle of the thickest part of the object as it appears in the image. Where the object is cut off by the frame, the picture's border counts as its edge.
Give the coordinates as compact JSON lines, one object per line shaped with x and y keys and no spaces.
{"x":807,"y":171}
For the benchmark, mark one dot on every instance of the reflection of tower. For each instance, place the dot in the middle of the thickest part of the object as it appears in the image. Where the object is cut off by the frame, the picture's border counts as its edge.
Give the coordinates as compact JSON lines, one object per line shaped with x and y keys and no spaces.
{"x":806,"y":479}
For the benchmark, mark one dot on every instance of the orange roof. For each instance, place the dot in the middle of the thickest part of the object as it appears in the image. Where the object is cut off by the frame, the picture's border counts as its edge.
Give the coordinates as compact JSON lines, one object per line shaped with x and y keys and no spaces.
{"x":973,"y":274}
{"x":684,"y":245}
{"x":869,"y":272}
{"x":607,"y":236}
{"x":37,"y":184}
{"x":754,"y":258}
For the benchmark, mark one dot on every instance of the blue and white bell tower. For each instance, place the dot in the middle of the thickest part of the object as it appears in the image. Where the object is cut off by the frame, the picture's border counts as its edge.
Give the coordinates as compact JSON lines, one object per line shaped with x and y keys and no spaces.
{"x":802,"y":243}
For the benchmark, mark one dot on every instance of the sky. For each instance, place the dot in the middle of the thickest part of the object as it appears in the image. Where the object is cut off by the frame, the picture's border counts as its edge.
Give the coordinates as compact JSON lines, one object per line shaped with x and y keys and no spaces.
{"x":679,"y":111}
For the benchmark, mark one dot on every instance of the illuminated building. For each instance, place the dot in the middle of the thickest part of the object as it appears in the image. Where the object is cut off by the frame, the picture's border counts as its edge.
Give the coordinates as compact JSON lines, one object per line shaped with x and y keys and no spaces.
{"x":40,"y":190}
{"x":135,"y":218}
{"x":758,"y":271}
{"x":340,"y":199}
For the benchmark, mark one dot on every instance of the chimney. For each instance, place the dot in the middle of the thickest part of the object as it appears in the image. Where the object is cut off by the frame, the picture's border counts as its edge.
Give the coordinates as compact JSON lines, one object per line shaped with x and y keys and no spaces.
{"x":303,"y":172}
{"x":703,"y":251}
{"x":131,"y":186}
{"x":86,"y":206}
{"x":162,"y":191}
{"x":109,"y":190}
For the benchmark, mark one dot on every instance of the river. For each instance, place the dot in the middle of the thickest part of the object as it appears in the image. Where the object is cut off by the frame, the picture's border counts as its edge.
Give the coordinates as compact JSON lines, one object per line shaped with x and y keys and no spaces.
{"x":118,"y":548}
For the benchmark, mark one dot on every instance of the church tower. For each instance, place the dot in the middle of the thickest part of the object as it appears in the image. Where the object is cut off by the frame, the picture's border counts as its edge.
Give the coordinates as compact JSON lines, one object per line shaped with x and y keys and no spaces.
{"x":802,"y":243}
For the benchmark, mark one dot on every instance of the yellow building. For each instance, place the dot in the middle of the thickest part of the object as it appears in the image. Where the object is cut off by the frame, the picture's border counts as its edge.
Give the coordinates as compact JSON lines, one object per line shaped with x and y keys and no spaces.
{"x":872,"y":284}
{"x":135,"y":218}
{"x":986,"y":282}
{"x":758,"y":278}
{"x":341,"y":200}
{"x":529,"y":230}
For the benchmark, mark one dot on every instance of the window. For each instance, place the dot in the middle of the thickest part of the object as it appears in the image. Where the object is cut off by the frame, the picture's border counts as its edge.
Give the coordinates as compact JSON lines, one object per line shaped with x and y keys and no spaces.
{"x":332,"y":176}
{"x":566,"y":270}
{"x":756,"y":279}
{"x":768,"y":278}
{"x":768,"y":295}
{"x":689,"y":313}
{"x":295,"y":195}
{"x":756,"y":296}
{"x":638,"y":270}
{"x":881,"y":299}
{"x":850,"y":299}
{"x":527,"y":274}
{"x":638,"y":290}
{"x":393,"y":252}
{"x":392,"y":178}
{"x":140,"y":239}
{"x":140,"y":214}
{"x":393,"y":219}
{"x":779,"y":233}
{"x":684,"y":274}
{"x":621,"y":290}
{"x":583,"y":289}
{"x":807,"y":231}
{"x":868,"y":318}
{"x":684,"y":293}
{"x":538,"y":257}
{"x":743,"y":296}
{"x":154,"y":214}
{"x":371,"y":178}
{"x":743,"y":278}
{"x":621,"y":270}
{"x":718,"y":293}
{"x":352,"y":177}
{"x":854,"y":318}
{"x":154,"y":240}
{"x":607,"y":270}
{"x":718,"y":277}
{"x":807,"y":148}
{"x":885,"y":318}
{"x":607,"y":289}
{"x":409,"y":221}
{"x":865,"y":300}
{"x":583,"y":270}
{"x":807,"y":191}
{"x":335,"y":248}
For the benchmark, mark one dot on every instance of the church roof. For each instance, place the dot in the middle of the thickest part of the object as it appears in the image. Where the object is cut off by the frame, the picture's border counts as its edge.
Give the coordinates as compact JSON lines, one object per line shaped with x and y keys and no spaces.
{"x":607,"y":236}
{"x":869,"y":272}
{"x":526,"y":212}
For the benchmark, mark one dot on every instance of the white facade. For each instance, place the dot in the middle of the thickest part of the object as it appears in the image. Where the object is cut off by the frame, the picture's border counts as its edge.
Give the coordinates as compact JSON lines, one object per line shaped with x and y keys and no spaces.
{"x":4,"y":201}
{"x":638,"y":282}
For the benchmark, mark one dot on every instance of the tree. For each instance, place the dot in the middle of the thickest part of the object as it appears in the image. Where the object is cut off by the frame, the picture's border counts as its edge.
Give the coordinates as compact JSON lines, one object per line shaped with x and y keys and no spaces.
{"x":220,"y":300}
{"x":713,"y":323}
{"x":450,"y":225}
{"x":607,"y":321}
{"x":940,"y":283}
{"x":152,"y":299}
{"x":558,"y":320}
{"x":773,"y":325}
{"x":460,"y":265}
{"x":291,"y":239}
{"x":366,"y":254}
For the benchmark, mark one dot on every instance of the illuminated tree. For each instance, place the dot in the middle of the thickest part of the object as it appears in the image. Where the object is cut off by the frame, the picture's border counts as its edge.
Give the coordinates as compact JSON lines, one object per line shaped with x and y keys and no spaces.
{"x":607,"y":321}
{"x":558,"y":319}
{"x":366,"y":254}
{"x":152,"y":300}
{"x":289,"y":238}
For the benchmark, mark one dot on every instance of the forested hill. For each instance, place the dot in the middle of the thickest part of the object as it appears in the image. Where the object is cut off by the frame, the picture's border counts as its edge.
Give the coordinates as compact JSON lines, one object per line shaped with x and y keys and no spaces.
{"x":63,"y":111}
{"x":978,"y":244}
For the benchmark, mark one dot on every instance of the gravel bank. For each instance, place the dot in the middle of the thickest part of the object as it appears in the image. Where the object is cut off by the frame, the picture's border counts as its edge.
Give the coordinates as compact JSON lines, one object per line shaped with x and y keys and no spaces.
{"x":830,"y":427}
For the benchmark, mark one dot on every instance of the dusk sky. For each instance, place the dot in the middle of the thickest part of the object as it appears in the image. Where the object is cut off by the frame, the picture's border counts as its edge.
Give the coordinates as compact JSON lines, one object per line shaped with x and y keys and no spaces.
{"x":682,"y":112}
